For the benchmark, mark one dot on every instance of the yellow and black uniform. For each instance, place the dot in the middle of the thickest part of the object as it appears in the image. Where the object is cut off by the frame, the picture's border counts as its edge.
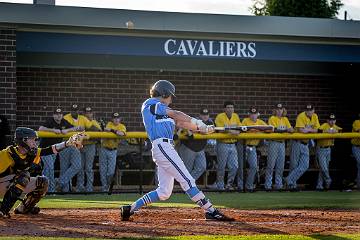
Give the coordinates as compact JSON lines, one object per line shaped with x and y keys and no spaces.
{"x":12,"y":161}
{"x":222,"y":120}
{"x":96,"y":125}
{"x":80,"y":121}
{"x":303,"y":121}
{"x":356,"y":128}
{"x":249,"y":122}
{"x":112,"y":144}
{"x":325,"y":127}
{"x":281,"y":123}
{"x":15,"y":172}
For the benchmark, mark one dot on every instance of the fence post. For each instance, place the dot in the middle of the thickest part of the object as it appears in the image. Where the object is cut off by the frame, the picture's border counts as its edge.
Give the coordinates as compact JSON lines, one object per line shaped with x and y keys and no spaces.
{"x":141,"y":191}
{"x":244,"y":165}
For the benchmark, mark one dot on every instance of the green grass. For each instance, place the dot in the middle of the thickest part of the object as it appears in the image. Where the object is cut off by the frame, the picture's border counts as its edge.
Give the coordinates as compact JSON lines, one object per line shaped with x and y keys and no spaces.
{"x":223,"y":237}
{"x":258,"y":200}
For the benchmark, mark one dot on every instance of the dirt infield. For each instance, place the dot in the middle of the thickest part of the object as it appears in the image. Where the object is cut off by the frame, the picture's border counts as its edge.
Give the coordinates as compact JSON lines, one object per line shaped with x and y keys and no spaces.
{"x":156,"y":222}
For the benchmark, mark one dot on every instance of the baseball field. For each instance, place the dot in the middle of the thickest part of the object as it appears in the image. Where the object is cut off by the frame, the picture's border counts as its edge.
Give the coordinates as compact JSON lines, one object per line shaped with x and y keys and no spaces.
{"x":260,"y":215}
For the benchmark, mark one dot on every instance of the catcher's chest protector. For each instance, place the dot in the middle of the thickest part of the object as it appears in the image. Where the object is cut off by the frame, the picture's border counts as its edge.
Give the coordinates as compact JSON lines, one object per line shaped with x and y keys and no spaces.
{"x":21,"y":164}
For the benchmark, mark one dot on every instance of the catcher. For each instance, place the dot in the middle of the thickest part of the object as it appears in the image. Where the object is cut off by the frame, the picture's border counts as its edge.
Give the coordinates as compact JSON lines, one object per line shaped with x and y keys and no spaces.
{"x":18,"y":162}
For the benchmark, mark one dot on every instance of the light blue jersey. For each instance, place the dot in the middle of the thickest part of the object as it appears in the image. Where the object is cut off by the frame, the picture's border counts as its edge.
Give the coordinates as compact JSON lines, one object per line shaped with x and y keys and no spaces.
{"x":157,"y":123}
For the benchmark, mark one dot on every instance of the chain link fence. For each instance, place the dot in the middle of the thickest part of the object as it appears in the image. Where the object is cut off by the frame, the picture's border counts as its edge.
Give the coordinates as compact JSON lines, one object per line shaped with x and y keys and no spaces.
{"x":268,"y":165}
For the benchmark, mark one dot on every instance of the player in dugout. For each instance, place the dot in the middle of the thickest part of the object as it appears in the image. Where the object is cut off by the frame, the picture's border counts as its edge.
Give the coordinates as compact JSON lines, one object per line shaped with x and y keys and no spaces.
{"x":20,"y":171}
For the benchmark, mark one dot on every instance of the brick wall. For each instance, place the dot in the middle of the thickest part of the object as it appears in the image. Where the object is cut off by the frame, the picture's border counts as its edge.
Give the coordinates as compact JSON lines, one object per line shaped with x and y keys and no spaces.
{"x":40,"y":90}
{"x":8,"y":75}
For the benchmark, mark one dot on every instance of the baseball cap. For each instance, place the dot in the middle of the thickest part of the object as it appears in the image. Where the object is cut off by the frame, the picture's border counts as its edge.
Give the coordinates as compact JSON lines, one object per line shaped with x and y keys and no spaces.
{"x":253,"y":110}
{"x":204,"y":111}
{"x":309,"y":107}
{"x":332,"y":116}
{"x":74,"y":107}
{"x":116,"y":115}
{"x":58,"y":111}
{"x":88,"y":109}
{"x":279,"y":106}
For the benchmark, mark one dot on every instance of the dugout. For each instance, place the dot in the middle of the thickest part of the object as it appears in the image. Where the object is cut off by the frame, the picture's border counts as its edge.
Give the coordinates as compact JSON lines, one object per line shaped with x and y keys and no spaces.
{"x":54,"y":56}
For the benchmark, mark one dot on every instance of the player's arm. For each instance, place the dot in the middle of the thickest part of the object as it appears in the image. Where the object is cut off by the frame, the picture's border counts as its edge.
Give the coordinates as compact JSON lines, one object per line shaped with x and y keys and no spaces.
{"x":74,"y":141}
{"x":185,"y":121}
{"x":46,"y":129}
{"x":356,"y":126}
{"x":187,"y":125}
{"x":301,"y":126}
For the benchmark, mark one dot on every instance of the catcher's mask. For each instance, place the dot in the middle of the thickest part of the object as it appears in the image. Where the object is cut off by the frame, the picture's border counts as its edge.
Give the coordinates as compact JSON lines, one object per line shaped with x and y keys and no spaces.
{"x":22,"y":135}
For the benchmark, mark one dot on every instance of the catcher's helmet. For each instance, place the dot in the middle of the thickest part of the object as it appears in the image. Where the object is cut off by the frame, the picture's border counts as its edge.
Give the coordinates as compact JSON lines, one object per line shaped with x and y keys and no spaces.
{"x":162,"y":88}
{"x":21,"y":135}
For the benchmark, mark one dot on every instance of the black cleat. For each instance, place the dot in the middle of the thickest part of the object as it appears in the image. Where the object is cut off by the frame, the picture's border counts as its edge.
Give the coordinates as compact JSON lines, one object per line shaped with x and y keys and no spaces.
{"x":4,"y":215}
{"x":218,"y":216}
{"x":125,"y":213}
{"x":33,"y":210}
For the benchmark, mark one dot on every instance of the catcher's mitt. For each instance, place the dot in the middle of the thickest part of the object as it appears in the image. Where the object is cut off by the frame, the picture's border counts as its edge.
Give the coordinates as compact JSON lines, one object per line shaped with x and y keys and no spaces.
{"x":76,"y":140}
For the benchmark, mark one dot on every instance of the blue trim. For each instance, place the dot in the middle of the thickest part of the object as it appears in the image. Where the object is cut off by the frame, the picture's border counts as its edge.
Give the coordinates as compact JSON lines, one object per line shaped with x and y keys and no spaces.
{"x":176,"y":166}
{"x":191,"y":192}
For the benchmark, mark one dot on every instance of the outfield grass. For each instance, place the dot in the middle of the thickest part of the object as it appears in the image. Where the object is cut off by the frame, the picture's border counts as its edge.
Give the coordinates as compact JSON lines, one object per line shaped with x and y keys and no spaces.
{"x":258,"y":200}
{"x":256,"y":237}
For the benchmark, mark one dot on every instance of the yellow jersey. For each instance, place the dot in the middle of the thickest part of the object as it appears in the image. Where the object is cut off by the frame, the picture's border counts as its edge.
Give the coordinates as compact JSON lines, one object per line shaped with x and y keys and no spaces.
{"x":222,"y":120}
{"x":81,"y":121}
{"x":92,"y":141}
{"x":12,"y":161}
{"x":327,"y":142}
{"x":281,"y":123}
{"x":356,"y":128}
{"x":113,"y":143}
{"x":303,"y":121}
{"x":249,"y":122}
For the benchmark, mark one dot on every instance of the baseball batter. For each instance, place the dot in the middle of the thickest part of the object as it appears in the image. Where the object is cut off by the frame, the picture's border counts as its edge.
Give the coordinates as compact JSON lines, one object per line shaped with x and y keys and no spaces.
{"x":160,"y":121}
{"x":16,"y":165}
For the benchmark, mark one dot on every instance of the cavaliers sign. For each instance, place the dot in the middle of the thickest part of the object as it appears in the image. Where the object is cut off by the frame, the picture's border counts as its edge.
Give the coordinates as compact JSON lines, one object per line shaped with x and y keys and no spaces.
{"x":210,"y":48}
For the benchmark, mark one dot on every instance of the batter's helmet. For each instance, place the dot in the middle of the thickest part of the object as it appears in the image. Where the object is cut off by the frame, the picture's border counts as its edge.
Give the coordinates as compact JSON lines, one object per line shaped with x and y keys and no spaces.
{"x":162,"y":88}
{"x":21,"y":135}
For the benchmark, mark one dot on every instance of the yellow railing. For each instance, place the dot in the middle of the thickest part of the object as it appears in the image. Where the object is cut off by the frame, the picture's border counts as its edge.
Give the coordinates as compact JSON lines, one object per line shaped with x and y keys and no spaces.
{"x":143,"y":135}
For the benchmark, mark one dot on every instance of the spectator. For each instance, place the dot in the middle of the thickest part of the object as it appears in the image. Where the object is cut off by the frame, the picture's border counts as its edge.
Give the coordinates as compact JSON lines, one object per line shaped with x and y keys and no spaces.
{"x":108,"y":151}
{"x":70,"y":158}
{"x":192,"y":151}
{"x":87,"y":156}
{"x":356,"y":149}
{"x":4,"y":131}
{"x":226,"y":148}
{"x":276,"y":149}
{"x":323,"y":152}
{"x":306,"y":122}
{"x":58,"y":125}
{"x":251,"y":144}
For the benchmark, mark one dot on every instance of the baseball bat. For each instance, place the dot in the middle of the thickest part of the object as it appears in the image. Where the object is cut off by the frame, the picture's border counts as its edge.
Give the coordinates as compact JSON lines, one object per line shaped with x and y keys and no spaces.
{"x":260,"y":128}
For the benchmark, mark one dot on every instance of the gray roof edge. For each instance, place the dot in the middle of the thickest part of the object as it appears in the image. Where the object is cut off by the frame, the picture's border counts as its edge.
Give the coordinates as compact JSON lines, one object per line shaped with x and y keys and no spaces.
{"x":25,"y":14}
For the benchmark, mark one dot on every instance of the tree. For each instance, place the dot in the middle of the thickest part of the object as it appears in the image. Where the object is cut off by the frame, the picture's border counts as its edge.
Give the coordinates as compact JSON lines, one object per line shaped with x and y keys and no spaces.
{"x":297,"y":8}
